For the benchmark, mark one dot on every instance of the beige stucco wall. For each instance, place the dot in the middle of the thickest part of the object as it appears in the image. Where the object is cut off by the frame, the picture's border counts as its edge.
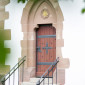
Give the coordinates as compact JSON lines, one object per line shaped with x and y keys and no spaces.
{"x":31,"y":17}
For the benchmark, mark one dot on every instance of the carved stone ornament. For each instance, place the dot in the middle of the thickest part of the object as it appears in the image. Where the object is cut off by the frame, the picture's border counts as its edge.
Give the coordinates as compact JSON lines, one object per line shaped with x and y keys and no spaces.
{"x":44,"y":13}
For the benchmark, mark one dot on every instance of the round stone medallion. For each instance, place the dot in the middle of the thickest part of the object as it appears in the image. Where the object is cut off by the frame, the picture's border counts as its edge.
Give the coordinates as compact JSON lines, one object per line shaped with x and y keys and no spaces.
{"x":45,"y":13}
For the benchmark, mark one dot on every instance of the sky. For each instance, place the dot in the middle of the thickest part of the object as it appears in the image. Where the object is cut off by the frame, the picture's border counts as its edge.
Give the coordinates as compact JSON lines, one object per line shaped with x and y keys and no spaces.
{"x":73,"y":35}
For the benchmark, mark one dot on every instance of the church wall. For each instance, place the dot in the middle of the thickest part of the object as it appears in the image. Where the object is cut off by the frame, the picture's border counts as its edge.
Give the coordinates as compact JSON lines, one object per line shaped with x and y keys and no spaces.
{"x":73,"y":35}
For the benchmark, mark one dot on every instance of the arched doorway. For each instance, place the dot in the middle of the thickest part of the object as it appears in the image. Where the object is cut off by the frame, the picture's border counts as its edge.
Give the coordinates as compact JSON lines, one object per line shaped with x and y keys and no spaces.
{"x":34,"y":14}
{"x":45,"y":48}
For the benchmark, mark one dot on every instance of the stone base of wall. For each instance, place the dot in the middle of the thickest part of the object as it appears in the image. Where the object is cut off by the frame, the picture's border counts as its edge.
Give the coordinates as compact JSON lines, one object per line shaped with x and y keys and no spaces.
{"x":28,"y":73}
{"x":60,"y":76}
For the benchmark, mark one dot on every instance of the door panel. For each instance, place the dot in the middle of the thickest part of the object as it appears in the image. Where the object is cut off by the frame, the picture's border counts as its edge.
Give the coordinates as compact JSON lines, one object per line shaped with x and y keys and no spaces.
{"x":46,"y":48}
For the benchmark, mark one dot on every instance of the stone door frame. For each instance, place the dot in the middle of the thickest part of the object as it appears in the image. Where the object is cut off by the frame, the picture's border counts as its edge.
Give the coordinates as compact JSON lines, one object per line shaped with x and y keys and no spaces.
{"x":29,"y":23}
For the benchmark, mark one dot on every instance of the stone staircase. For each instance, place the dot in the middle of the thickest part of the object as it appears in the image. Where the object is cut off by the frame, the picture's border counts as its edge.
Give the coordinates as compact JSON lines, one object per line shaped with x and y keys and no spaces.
{"x":33,"y":81}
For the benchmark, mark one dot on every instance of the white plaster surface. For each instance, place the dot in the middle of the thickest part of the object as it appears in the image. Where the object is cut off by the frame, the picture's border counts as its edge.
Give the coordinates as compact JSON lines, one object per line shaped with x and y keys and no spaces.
{"x":73,"y":34}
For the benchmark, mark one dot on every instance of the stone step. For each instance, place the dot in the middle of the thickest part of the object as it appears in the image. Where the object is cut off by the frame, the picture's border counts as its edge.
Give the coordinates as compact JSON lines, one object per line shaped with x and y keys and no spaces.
{"x":35,"y":80}
{"x":30,"y":83}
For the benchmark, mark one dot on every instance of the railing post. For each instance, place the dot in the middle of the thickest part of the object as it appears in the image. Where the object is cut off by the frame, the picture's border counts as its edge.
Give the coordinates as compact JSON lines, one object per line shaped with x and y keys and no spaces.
{"x":9,"y":78}
{"x":52,"y":74}
{"x":13,"y":76}
{"x":22,"y":70}
{"x":43,"y":82}
{"x":48,"y":76}
{"x":56,"y":74}
{"x":18,"y":74}
{"x":38,"y":83}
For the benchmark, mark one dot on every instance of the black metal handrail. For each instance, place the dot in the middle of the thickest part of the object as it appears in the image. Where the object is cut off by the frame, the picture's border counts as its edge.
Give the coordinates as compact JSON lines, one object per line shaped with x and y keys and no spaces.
{"x":12,"y":72}
{"x":46,"y":74}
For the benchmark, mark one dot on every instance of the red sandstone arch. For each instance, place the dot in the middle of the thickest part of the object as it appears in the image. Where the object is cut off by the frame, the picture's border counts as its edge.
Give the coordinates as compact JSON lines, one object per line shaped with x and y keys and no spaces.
{"x":31,"y":17}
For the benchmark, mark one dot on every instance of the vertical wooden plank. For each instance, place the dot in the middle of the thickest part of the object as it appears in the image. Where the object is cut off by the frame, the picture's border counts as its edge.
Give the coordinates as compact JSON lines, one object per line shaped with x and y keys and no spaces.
{"x":48,"y":45}
{"x":37,"y":51}
{"x":54,"y":47}
{"x":38,"y":56}
{"x":42,"y":58}
{"x":42,"y":50}
{"x":51,"y":45}
{"x":49,"y":49}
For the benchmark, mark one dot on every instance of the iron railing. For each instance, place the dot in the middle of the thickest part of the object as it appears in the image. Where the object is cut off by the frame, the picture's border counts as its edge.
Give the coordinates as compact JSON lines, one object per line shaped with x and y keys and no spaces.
{"x":12,"y":77}
{"x":46,"y":75}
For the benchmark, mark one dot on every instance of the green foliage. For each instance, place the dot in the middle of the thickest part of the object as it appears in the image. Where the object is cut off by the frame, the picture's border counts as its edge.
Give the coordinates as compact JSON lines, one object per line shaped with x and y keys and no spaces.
{"x":3,"y":51}
{"x":23,"y":1}
{"x":35,"y":1}
{"x":83,"y":11}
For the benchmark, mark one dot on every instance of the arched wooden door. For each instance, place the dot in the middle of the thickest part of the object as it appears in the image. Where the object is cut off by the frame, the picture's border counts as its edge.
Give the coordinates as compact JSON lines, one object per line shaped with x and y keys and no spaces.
{"x":46,"y":48}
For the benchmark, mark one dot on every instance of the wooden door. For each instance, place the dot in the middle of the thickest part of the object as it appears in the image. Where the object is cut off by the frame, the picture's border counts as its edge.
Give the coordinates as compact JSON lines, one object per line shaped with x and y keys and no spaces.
{"x":46,"y":48}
